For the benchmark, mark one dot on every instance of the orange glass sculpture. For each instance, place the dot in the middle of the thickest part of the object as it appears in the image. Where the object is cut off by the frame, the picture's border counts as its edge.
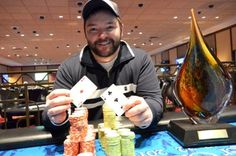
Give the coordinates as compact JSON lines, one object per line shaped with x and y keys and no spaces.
{"x":202,"y":86}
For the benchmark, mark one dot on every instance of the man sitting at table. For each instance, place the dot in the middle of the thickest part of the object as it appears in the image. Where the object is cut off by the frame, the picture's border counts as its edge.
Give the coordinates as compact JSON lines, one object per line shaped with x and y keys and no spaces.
{"x":106,"y":60}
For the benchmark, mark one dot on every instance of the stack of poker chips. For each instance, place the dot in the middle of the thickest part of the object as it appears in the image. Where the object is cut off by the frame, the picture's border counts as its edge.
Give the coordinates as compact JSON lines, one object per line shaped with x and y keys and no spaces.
{"x":127,"y":143}
{"x":109,"y":117}
{"x":115,"y":141}
{"x":81,"y":138}
{"x":112,"y":143}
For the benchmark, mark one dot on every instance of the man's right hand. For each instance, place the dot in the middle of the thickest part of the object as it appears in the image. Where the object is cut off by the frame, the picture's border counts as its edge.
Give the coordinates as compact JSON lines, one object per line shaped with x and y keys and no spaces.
{"x":57,"y":102}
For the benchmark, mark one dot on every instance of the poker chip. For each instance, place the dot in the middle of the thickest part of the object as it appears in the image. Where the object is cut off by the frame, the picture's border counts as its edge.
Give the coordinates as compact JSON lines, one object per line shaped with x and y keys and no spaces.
{"x":109,"y":117}
{"x":127,"y":143}
{"x":81,"y":138}
{"x":85,"y":154}
{"x":115,"y":141}
{"x":70,"y":148}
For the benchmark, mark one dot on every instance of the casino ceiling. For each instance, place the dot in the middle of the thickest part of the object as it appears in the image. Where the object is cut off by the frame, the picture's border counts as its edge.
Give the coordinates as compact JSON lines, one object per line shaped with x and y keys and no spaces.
{"x":44,"y":32}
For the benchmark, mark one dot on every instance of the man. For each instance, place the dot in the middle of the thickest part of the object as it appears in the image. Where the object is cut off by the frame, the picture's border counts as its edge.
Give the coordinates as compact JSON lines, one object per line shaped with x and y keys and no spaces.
{"x":106,"y":60}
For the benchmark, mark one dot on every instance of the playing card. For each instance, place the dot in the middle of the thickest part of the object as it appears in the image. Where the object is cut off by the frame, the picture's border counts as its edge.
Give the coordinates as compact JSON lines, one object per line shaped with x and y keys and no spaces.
{"x":82,"y":90}
{"x":115,"y":99}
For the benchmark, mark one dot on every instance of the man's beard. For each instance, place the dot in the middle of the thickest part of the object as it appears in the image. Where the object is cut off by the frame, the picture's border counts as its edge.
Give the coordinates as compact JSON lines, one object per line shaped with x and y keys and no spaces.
{"x":113,"y":46}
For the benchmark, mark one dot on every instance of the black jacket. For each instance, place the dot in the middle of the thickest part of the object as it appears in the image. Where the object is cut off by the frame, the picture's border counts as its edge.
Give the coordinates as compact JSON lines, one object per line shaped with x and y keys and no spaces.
{"x":133,"y":71}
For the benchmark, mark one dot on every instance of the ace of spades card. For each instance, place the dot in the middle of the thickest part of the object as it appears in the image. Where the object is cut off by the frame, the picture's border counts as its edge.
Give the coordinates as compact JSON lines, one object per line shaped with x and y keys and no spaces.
{"x":115,"y":99}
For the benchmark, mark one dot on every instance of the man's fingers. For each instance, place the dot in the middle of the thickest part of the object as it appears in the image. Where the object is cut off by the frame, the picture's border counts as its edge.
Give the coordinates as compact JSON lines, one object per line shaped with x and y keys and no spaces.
{"x":131,"y":104}
{"x":60,"y":100}
{"x":136,"y":110}
{"x":58,"y":92}
{"x":57,"y":110}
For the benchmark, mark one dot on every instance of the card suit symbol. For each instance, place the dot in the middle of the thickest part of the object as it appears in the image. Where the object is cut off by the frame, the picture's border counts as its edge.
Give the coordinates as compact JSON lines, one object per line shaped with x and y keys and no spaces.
{"x":109,"y":92}
{"x":125,"y":88}
{"x":116,"y":99}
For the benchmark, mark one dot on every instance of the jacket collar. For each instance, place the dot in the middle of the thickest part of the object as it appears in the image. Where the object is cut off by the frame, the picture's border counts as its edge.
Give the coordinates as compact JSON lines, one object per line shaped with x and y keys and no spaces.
{"x":125,"y":54}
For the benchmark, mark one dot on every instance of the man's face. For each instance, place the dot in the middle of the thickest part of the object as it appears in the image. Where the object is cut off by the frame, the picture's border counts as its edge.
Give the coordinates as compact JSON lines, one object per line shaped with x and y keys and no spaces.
{"x":103,"y":33}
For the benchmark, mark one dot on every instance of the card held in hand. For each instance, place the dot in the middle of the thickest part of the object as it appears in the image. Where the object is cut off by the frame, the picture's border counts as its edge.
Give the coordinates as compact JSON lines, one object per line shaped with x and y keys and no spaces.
{"x":115,"y":99}
{"x":82,"y":90}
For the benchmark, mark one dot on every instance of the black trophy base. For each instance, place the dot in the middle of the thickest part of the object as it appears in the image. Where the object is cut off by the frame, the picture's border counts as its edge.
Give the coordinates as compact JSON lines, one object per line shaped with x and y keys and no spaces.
{"x":191,"y":135}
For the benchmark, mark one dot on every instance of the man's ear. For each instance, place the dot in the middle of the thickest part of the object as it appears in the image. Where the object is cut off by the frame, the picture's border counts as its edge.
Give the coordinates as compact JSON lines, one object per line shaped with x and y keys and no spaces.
{"x":122,"y":28}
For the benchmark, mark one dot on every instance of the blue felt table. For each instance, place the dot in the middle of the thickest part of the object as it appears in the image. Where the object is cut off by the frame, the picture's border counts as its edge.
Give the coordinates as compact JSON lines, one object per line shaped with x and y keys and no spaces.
{"x":159,"y":143}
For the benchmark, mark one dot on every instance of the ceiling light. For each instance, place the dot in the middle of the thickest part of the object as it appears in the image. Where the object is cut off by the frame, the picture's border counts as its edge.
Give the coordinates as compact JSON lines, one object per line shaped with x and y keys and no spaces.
{"x":140,"y":5}
{"x":140,"y":33}
{"x":35,"y":63}
{"x":143,"y":44}
{"x":211,"y":6}
{"x":60,"y":17}
{"x":51,"y":34}
{"x":217,"y":17}
{"x":25,"y":47}
{"x":14,"y":27}
{"x":17,"y":55}
{"x":36,"y":55}
{"x":203,"y":17}
{"x":68,"y":46}
{"x":79,"y":3}
{"x":2,"y":48}
{"x":7,"y":35}
{"x":78,"y":46}
{"x":160,"y":44}
{"x":13,"y":47}
{"x":128,"y":33}
{"x":36,"y":34}
{"x":175,"y":17}
{"x":69,"y":53}
{"x":22,"y":35}
{"x":27,"y":55}
{"x":151,"y":43}
{"x":8,"y":55}
{"x":189,"y":17}
{"x":134,"y":44}
{"x":41,"y":17}
{"x":78,"y":17}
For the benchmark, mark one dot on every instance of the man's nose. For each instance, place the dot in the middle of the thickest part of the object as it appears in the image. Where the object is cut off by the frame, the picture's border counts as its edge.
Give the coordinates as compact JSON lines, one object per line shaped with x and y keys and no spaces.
{"x":102,"y":34}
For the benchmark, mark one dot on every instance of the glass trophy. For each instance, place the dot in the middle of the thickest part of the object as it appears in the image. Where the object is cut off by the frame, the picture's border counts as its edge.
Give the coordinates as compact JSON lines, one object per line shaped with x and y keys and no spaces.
{"x":203,"y":88}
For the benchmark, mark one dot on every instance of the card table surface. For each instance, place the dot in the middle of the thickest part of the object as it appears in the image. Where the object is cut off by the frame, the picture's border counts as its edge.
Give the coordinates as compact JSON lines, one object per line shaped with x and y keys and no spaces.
{"x":157,"y":143}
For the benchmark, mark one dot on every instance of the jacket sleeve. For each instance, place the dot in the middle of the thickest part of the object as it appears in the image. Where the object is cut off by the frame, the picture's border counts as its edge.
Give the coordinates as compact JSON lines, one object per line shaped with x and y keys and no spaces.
{"x":148,"y":87}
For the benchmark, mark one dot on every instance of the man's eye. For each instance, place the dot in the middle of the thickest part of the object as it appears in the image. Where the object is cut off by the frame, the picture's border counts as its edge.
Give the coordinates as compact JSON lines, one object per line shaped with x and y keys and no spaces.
{"x":110,"y":28}
{"x":93,"y":30}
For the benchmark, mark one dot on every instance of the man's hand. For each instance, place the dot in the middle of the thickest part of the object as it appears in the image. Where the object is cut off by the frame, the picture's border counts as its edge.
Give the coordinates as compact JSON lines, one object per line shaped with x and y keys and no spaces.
{"x":138,"y":112}
{"x":57,"y":102}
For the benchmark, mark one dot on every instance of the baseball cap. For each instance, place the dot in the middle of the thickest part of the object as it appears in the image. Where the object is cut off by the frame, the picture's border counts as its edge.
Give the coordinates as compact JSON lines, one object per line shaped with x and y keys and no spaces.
{"x":92,"y":5}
